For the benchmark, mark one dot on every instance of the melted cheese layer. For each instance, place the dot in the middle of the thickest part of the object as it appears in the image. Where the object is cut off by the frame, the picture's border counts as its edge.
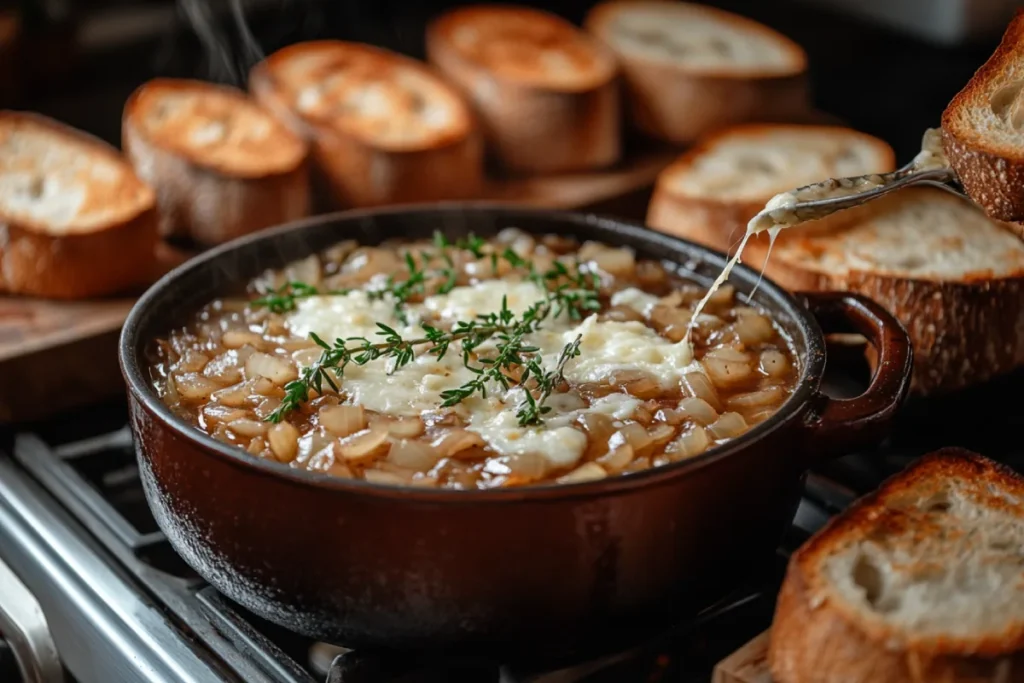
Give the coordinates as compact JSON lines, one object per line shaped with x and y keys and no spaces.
{"x":607,"y":347}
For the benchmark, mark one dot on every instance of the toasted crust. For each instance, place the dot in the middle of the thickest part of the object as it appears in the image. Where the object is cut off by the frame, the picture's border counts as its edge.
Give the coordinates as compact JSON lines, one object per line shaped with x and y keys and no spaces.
{"x":818,"y":637}
{"x":105,"y":245}
{"x":544,"y":91}
{"x":409,"y":137}
{"x":678,"y":101}
{"x":720,"y":221}
{"x":965,"y":329}
{"x":991,"y":170}
{"x":221,"y":166}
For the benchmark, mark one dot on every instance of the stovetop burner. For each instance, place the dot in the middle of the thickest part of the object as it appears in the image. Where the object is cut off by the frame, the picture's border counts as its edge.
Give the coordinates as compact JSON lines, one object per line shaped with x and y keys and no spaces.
{"x":121,"y":604}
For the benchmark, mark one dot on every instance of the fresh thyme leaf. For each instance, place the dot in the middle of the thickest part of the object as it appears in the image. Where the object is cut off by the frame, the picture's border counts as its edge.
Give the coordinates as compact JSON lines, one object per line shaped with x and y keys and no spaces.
{"x":283,"y":299}
{"x":569,"y":291}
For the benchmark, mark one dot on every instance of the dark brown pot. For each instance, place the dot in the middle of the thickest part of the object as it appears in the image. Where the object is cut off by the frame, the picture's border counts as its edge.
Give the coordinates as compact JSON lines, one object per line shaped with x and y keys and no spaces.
{"x":534,"y":570}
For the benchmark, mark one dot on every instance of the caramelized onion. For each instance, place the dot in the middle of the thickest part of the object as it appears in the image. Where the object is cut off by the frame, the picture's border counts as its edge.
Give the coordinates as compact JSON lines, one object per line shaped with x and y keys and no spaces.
{"x":728,"y":426}
{"x":414,"y":455}
{"x":699,"y":410}
{"x":774,"y":363}
{"x":690,"y":443}
{"x":618,"y":458}
{"x":247,"y":427}
{"x":364,"y":445}
{"x":194,"y":387}
{"x":753,"y":328}
{"x":458,"y":441}
{"x":756,"y":399}
{"x":699,"y":385}
{"x":726,"y":366}
{"x":277,"y":370}
{"x":284,"y":441}
{"x":590,"y":471}
{"x":343,"y":420}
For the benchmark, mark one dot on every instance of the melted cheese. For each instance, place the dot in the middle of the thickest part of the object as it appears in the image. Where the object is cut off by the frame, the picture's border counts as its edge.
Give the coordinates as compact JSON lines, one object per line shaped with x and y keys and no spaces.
{"x":782,"y":210}
{"x":607,"y":347}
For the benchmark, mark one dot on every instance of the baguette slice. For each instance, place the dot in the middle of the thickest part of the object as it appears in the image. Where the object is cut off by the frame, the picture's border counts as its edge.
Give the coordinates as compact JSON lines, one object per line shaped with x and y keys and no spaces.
{"x":75,"y":221}
{"x":983,"y":129}
{"x":710,"y":193}
{"x":384,"y":128}
{"x":221,"y":166}
{"x":689,"y":69}
{"x":951,"y":275}
{"x":919,"y":582}
{"x":544,"y":90}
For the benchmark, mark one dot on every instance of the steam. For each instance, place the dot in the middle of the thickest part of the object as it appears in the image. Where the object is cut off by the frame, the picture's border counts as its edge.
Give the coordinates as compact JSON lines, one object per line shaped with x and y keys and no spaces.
{"x":227,"y":61}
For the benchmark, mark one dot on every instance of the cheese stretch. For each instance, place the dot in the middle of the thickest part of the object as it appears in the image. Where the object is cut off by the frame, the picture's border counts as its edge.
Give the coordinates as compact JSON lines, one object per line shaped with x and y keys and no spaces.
{"x":607,"y":347}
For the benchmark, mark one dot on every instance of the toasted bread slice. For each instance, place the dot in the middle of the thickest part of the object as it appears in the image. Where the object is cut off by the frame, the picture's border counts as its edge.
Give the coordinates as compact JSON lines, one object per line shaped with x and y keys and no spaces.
{"x":544,"y":90}
{"x":689,"y":69}
{"x":221,"y":165}
{"x":75,"y":221}
{"x":983,"y":129}
{"x":953,"y":277}
{"x":710,"y":193}
{"x":384,"y":128}
{"x":919,"y":582}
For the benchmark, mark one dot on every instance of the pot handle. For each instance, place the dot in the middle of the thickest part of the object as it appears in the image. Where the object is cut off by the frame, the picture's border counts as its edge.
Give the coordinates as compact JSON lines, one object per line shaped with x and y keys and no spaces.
{"x":843,"y":425}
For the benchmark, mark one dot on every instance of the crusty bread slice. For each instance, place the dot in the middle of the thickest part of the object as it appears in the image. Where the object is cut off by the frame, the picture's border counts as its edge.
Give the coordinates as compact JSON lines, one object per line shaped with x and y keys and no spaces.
{"x":689,"y":69}
{"x":919,"y":582}
{"x":221,"y":165}
{"x":953,"y":277}
{"x":75,"y":221}
{"x":384,"y":128}
{"x":710,"y":193}
{"x":544,"y":90}
{"x":983,"y":129}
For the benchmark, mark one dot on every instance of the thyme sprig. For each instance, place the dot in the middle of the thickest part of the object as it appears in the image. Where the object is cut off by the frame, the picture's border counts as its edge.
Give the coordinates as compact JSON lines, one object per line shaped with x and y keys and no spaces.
{"x":569,"y":292}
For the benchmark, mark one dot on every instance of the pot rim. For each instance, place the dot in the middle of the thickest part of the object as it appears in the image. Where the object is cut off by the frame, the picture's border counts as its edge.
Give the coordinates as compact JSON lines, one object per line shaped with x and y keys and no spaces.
{"x":812,"y":359}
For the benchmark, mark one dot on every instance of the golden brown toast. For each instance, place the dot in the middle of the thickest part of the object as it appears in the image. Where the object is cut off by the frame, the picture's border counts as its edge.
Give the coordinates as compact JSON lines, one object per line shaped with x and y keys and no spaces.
{"x":544,"y":90}
{"x":221,"y":166}
{"x":76,"y":221}
{"x":983,"y":129}
{"x":919,"y":582}
{"x":383,"y":128}
{"x":689,"y":69}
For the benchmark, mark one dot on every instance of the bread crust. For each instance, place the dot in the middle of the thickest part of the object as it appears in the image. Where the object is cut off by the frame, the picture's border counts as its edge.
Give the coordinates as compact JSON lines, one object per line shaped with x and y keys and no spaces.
{"x":720,"y":223}
{"x":532,"y":126}
{"x":963,"y":333}
{"x":992,"y":177}
{"x":677,"y":104}
{"x":359,"y":171}
{"x":204,"y":200}
{"x":818,"y":640}
{"x":105,"y":259}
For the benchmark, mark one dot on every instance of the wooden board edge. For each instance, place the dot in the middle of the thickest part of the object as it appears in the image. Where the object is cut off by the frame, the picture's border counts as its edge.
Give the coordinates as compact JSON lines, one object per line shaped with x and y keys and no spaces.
{"x":749,"y":664}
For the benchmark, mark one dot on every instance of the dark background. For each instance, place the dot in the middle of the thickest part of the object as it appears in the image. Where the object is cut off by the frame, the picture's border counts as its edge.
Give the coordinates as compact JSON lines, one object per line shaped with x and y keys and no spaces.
{"x":872,"y":78}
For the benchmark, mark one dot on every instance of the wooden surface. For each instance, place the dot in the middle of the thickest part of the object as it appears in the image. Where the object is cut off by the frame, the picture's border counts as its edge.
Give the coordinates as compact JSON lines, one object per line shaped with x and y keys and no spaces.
{"x":749,"y":664}
{"x":55,"y":355}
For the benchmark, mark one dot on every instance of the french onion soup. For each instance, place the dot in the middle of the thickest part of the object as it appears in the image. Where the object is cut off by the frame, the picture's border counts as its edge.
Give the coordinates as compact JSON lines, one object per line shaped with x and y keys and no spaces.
{"x":475,"y":364}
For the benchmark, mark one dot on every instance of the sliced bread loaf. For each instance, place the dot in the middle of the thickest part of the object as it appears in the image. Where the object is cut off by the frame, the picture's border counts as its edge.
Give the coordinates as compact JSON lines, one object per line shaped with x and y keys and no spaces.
{"x":75,"y":221}
{"x":689,"y":68}
{"x":710,"y":193}
{"x":221,"y":166}
{"x":953,"y":277}
{"x":919,"y":582}
{"x":383,"y":128}
{"x":983,"y":129}
{"x":544,"y":91}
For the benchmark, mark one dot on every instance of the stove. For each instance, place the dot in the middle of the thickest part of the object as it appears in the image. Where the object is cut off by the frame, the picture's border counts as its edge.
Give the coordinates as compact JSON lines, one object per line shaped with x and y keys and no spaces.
{"x":92,"y":592}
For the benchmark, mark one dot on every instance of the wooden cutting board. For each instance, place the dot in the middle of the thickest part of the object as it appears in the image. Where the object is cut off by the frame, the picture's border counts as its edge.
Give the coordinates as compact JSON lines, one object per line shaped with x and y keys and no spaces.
{"x":749,"y":664}
{"x":57,"y":355}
